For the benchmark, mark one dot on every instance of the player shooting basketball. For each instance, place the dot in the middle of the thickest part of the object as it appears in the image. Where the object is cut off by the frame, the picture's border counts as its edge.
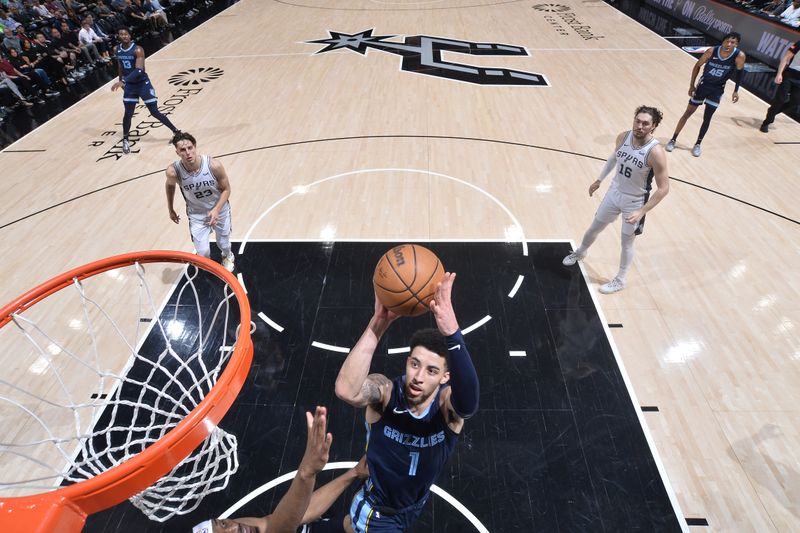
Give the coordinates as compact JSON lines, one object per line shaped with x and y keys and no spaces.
{"x":413,"y":420}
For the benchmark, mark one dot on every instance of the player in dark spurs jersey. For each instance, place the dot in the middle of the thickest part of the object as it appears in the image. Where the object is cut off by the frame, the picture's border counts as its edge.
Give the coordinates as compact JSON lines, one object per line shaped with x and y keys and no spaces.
{"x":136,"y":84}
{"x":637,"y":159}
{"x":721,"y":63}
{"x":413,"y":421}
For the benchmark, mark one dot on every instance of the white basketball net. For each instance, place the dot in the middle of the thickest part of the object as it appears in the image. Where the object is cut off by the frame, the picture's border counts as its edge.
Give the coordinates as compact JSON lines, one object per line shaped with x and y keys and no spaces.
{"x":74,"y":409}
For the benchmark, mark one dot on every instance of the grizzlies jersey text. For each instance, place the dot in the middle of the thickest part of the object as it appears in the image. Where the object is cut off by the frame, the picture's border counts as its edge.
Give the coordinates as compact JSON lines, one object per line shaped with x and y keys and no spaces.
{"x":717,"y":70}
{"x":126,"y":58}
{"x":199,"y":188}
{"x":633,"y":176}
{"x":405,"y":454}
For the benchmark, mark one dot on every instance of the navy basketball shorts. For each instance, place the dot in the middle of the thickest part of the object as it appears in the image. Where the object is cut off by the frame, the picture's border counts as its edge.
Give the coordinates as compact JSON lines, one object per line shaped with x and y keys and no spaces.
{"x":707,"y":94}
{"x":143,"y":89}
{"x":367,"y":517}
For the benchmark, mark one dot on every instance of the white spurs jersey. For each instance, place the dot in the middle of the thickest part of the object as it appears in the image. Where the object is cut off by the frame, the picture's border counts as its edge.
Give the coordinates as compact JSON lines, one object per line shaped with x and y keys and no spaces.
{"x":199,"y":188}
{"x":633,"y":176}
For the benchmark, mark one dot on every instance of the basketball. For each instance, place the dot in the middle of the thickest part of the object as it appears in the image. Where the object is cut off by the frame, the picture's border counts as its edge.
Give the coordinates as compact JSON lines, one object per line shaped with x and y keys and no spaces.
{"x":405,"y":279}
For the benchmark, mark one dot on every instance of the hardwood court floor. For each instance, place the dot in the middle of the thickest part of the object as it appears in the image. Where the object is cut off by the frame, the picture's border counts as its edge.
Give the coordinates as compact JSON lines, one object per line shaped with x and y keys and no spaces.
{"x":343,"y":145}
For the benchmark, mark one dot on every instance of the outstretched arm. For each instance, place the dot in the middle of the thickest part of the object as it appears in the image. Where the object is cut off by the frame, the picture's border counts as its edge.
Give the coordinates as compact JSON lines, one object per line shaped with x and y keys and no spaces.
{"x":326,"y":495}
{"x":288,"y":516}
{"x":354,"y":384}
{"x":464,"y":385}
{"x":610,"y":165}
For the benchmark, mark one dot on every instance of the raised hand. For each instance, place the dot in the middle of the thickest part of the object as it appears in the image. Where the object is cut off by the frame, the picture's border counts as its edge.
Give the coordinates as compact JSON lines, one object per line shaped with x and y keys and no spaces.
{"x":442,"y":306}
{"x":318,"y":443}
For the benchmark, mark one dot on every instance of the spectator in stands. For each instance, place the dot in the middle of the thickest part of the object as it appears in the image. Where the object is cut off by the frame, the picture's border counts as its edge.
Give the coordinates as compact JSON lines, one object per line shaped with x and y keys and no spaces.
{"x":23,"y":81}
{"x":791,"y":15}
{"x":41,"y":54}
{"x":67,"y":51}
{"x":156,"y":13}
{"x":10,"y":40}
{"x":135,"y":15}
{"x":7,"y":21}
{"x":91,"y":41}
{"x":788,"y":80}
{"x":89,"y":50}
{"x":36,"y":74}
{"x":41,"y":11}
{"x":6,"y":82}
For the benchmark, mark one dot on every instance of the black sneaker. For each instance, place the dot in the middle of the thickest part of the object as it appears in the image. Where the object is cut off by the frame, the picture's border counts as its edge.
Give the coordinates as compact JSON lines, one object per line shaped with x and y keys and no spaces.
{"x":764,"y":127}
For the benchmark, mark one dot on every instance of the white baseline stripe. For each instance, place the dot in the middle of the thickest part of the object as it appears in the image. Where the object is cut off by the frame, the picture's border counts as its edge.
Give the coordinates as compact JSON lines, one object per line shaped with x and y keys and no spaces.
{"x":517,"y":353}
{"x":476,"y":325}
{"x":241,"y":281}
{"x":515,"y":288}
{"x":274,"y":325}
{"x":330,"y":347}
{"x":399,"y":350}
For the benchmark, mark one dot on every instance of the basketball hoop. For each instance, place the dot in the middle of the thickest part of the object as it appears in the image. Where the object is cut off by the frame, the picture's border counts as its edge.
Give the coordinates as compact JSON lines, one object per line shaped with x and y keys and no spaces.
{"x":181,"y":398}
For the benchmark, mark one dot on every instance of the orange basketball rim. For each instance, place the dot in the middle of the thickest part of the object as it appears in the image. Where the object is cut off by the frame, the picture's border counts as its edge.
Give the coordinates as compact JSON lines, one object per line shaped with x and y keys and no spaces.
{"x":65,"y":509}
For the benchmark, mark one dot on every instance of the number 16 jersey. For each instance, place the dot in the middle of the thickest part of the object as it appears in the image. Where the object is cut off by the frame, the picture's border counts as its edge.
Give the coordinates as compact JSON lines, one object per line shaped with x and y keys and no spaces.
{"x":633,"y":176}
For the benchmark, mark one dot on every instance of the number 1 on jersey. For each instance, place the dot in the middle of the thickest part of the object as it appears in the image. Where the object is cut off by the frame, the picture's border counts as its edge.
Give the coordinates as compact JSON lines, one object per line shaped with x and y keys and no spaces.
{"x":412,"y":469}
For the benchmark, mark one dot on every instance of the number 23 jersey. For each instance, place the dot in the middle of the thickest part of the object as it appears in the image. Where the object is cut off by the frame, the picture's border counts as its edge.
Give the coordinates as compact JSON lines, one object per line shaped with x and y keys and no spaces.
{"x":199,"y":188}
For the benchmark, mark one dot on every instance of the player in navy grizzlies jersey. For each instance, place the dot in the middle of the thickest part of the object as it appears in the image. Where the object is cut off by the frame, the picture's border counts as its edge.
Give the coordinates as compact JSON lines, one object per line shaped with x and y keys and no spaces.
{"x":136,"y":84}
{"x":413,"y":421}
{"x":637,"y":159}
{"x":206,"y":189}
{"x":721,"y":63}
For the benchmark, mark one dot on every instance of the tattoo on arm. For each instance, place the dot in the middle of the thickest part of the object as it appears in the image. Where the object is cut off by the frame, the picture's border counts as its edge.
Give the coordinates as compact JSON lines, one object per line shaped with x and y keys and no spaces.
{"x":373,"y":387}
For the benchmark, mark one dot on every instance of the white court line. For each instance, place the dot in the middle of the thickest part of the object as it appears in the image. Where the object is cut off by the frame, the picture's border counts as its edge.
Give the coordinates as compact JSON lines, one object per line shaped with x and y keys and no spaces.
{"x":347,"y":465}
{"x":393,"y":351}
{"x":517,"y":353}
{"x":330,"y":347}
{"x":245,"y":56}
{"x":636,"y":405}
{"x":476,"y":325}
{"x":516,"y":286}
{"x":241,"y":281}
{"x":491,"y":197}
{"x":274,"y":325}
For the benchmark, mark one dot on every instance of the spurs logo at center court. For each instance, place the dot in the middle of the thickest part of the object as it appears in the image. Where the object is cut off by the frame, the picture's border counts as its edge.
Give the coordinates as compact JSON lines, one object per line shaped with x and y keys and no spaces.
{"x":422,"y":54}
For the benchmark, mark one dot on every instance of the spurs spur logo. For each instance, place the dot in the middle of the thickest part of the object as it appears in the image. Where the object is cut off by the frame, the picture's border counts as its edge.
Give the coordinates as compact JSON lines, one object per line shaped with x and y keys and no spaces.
{"x":422,"y":54}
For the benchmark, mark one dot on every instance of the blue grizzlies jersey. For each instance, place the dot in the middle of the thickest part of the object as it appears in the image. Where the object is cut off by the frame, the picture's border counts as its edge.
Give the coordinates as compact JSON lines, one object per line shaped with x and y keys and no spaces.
{"x":405,"y":454}
{"x":718,"y":70}
{"x":126,"y":58}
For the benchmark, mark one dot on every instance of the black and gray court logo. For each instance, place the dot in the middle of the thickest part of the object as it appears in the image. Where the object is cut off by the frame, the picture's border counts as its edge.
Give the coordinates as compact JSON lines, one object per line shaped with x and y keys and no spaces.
{"x":196,"y":76}
{"x":551,"y":8}
{"x":422,"y":54}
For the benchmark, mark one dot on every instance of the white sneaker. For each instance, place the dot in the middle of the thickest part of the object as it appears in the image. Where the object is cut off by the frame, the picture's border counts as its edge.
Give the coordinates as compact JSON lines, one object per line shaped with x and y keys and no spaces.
{"x":227,"y":262}
{"x":670,"y":146}
{"x":572,"y":258}
{"x":696,"y":150}
{"x":615,"y":285}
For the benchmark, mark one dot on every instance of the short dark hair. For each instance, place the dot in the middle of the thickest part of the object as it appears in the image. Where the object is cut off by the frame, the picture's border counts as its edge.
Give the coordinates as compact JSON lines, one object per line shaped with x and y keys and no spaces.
{"x":652,"y":111}
{"x":733,"y":34}
{"x":183,"y":136}
{"x":430,"y":339}
{"x":124,"y":29}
